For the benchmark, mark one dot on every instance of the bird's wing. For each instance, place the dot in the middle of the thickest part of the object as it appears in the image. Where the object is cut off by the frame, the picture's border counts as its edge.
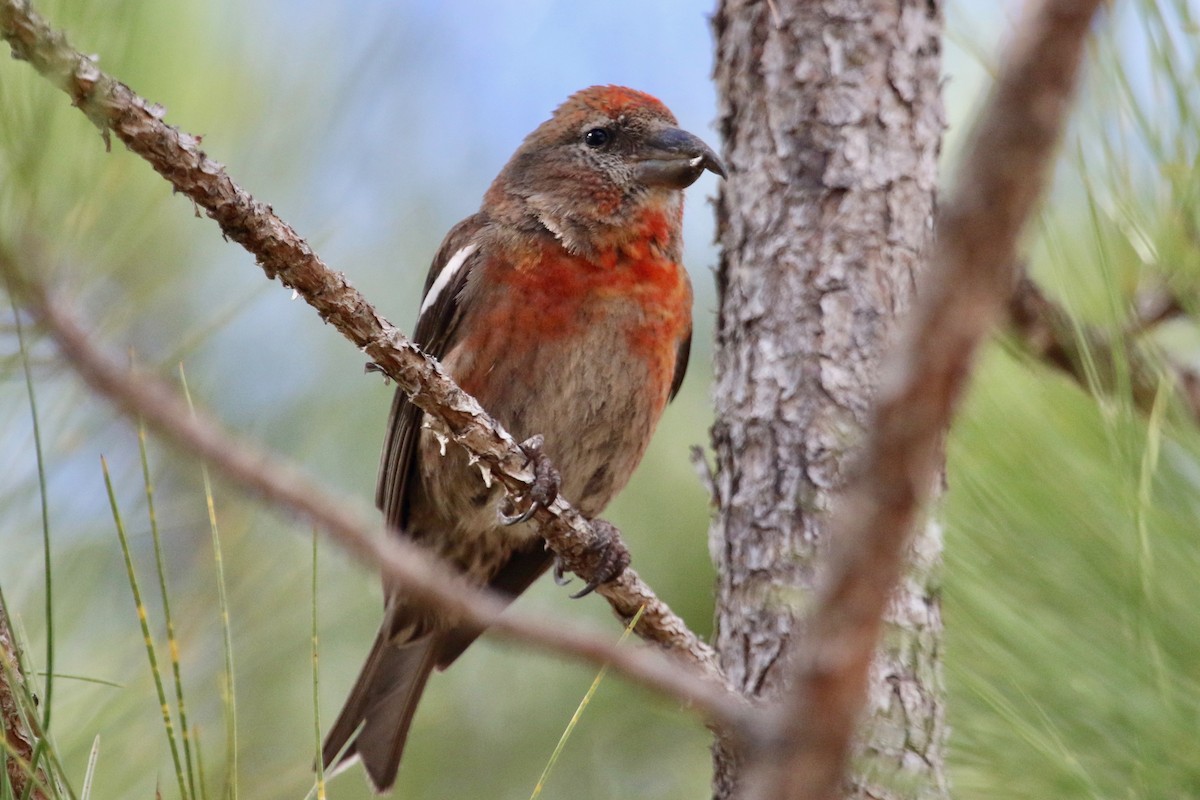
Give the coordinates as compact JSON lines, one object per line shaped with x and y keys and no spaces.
{"x":435,"y":332}
{"x":681,"y":364}
{"x":522,"y":567}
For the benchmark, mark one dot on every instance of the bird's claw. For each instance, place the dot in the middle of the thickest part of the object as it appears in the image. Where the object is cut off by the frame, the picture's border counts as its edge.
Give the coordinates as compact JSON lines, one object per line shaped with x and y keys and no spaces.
{"x":585,"y":591}
{"x":607,"y":559}
{"x":544,"y":490}
{"x":517,"y":519}
{"x":559,"y":570}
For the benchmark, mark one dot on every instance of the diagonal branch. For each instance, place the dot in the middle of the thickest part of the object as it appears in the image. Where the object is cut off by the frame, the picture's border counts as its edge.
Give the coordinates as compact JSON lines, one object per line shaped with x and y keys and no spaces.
{"x":1004,"y":171}
{"x":283,"y":254}
{"x":1046,"y":332}
{"x":425,"y":578}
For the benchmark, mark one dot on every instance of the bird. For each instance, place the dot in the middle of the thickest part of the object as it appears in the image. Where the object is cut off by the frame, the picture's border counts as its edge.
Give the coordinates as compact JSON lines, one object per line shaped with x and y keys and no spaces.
{"x":562,"y":306}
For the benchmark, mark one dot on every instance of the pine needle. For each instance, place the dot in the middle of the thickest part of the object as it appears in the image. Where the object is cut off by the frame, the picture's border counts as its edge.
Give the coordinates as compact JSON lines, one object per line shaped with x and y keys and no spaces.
{"x":93,"y":757}
{"x":144,"y":621}
{"x":48,"y":691}
{"x":231,"y":745}
{"x":583,"y":704}
{"x":320,"y":787}
{"x":172,"y":641}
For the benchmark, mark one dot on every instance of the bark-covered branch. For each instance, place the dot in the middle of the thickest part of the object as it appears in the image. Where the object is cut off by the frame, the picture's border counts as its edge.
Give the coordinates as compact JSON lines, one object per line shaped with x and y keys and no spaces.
{"x":1046,"y":332}
{"x":20,"y":733}
{"x":426,"y":579}
{"x":1004,"y":171}
{"x":283,"y":254}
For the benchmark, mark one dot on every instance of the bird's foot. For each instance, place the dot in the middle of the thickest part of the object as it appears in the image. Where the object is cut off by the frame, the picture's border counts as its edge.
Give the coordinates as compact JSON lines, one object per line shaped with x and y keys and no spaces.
{"x":546,"y":481}
{"x":605,"y":559}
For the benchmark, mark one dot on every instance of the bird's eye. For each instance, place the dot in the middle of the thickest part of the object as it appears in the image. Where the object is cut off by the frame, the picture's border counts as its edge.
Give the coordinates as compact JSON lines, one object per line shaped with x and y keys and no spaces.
{"x":596,"y":137}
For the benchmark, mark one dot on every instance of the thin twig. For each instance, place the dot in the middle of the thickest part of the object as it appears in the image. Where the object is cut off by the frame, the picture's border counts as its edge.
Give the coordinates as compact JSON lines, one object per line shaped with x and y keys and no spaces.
{"x":426,"y":579}
{"x":1004,"y":172}
{"x":283,"y":254}
{"x":1046,"y":332}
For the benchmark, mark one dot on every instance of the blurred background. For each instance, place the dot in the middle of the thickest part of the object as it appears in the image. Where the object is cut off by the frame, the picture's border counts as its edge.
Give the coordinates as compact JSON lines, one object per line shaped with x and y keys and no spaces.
{"x":1070,"y":595}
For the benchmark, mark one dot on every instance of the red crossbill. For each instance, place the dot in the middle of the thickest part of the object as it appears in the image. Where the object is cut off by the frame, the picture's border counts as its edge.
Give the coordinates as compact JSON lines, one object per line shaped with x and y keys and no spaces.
{"x":563,"y":308}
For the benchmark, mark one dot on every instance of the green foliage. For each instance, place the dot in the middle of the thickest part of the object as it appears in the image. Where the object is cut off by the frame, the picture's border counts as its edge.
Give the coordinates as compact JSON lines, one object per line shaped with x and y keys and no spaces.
{"x":1070,"y":592}
{"x":1070,"y":595}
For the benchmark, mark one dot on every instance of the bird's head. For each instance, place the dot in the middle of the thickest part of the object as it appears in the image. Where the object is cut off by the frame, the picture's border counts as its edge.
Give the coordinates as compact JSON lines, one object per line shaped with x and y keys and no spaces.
{"x":608,"y":156}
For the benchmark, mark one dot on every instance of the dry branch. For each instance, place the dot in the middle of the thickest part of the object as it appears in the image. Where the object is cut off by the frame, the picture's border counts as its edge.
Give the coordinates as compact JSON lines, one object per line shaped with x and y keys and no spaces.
{"x":1046,"y":332}
{"x":283,"y":254}
{"x":1004,"y":172}
{"x":425,"y":578}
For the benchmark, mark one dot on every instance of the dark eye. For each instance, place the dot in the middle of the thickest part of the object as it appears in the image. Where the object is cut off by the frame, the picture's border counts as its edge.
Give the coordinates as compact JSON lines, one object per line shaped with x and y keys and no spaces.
{"x":596,"y":137}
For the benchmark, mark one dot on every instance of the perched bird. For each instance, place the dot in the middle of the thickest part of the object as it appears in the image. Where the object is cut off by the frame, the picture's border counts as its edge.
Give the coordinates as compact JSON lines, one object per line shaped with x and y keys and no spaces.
{"x":563,"y":308}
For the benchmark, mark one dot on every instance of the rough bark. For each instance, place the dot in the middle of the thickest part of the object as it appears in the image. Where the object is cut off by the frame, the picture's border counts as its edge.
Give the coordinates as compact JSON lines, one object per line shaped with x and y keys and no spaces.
{"x":832,"y":122}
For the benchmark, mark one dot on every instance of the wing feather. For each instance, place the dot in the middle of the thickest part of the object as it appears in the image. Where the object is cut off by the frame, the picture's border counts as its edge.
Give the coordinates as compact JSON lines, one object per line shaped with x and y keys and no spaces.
{"x":681,"y":364}
{"x":435,"y":333}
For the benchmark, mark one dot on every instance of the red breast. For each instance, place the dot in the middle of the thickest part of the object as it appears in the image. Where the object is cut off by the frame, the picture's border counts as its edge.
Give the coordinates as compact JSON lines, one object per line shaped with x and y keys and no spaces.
{"x":547,"y":294}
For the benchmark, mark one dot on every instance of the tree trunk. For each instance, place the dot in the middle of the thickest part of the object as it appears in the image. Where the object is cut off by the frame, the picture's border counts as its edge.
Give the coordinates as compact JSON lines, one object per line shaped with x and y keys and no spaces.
{"x":832,"y":121}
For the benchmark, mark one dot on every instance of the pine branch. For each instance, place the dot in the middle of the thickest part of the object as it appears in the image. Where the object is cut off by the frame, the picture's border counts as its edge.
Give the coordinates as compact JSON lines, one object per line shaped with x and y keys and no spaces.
{"x":426,"y":579}
{"x":1046,"y":332}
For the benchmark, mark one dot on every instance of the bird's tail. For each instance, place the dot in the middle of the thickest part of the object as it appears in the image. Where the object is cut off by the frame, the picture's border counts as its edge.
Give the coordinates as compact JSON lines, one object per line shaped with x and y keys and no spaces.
{"x":380,"y":708}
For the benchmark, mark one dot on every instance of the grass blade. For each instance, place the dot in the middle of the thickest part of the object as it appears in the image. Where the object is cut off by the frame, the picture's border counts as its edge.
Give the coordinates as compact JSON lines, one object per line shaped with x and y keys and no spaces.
{"x":316,"y":676}
{"x":48,"y":690}
{"x":200,"y":765}
{"x":231,"y":747}
{"x":22,"y":698}
{"x":172,"y":641}
{"x":143,"y":619}
{"x":583,"y":704}
{"x":93,"y":756}
{"x":67,"y":676}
